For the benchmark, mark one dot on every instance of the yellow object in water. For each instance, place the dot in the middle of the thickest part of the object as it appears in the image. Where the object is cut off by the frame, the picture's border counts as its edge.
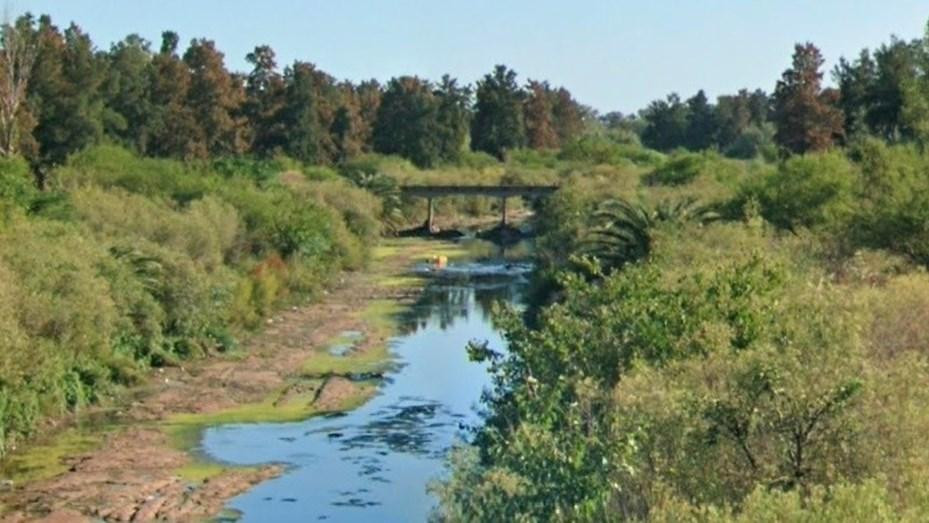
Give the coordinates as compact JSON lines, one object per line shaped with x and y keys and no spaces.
{"x":440,"y":261}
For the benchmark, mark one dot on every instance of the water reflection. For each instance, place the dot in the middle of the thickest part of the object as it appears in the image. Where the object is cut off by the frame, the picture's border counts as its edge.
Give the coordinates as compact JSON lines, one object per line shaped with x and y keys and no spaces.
{"x":452,"y":301}
{"x":373,"y":464}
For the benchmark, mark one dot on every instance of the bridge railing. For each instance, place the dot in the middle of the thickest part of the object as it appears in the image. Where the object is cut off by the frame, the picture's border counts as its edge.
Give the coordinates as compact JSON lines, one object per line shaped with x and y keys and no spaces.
{"x":497,"y":191}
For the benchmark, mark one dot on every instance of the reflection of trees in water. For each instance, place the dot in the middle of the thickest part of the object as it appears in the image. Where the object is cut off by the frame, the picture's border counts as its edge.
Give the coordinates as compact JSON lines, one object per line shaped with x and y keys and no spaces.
{"x":445,"y":302}
{"x":485,"y":297}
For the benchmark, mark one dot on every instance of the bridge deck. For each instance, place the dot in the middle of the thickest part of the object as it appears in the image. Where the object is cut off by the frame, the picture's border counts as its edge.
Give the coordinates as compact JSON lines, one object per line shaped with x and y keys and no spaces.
{"x":499,"y":191}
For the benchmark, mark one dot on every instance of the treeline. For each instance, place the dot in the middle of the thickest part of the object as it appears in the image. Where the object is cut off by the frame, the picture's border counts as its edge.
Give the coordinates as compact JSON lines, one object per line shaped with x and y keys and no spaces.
{"x":62,"y":95}
{"x":884,"y":94}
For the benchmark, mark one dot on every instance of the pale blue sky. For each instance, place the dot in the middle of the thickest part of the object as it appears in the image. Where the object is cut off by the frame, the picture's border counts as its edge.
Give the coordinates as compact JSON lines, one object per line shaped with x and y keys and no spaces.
{"x":613,"y":55}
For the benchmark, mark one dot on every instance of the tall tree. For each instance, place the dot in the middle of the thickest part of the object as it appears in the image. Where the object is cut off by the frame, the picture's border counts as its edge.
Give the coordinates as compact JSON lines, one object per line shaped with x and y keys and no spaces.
{"x":127,"y":92}
{"x":344,"y":131}
{"x":540,"y":128}
{"x":305,"y":133}
{"x":368,"y":95}
{"x":216,"y":97}
{"x":666,"y":126}
{"x":734,"y":116}
{"x":759,"y":107}
{"x":856,"y":81}
{"x":741,"y":116}
{"x":498,"y":117}
{"x":353,"y":122}
{"x":568,"y":115}
{"x":702,"y":124}
{"x":407,"y":121}
{"x":264,"y":99}
{"x":897,"y":69}
{"x":172,"y":130}
{"x":453,"y":117}
{"x":916,"y":93}
{"x":329,"y":98}
{"x":65,"y":92}
{"x":18,"y":50}
{"x":805,"y":119}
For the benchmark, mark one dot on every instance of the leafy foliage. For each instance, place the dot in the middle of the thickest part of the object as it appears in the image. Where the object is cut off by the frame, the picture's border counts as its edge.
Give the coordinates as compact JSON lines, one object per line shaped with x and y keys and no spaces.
{"x":805,"y":115}
{"x":498,"y":113}
{"x":156,"y":261}
{"x":624,"y":231}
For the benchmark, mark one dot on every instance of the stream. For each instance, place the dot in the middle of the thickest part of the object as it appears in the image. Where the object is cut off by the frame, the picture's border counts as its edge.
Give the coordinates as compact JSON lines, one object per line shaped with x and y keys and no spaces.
{"x":374,"y":463}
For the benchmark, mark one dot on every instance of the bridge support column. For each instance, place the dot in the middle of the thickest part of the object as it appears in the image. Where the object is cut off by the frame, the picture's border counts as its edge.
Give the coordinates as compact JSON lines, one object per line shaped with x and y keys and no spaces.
{"x":504,"y":221}
{"x":430,"y":220}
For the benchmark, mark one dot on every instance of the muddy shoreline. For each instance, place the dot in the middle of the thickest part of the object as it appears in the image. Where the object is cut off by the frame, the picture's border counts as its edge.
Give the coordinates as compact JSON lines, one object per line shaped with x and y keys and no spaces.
{"x":142,"y":466}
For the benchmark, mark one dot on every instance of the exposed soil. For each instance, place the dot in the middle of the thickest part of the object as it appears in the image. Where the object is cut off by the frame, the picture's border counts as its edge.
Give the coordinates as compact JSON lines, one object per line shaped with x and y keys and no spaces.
{"x":133,"y":475}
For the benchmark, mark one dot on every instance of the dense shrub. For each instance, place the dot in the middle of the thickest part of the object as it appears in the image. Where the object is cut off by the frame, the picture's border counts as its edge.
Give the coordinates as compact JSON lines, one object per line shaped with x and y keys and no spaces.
{"x":679,"y":169}
{"x":755,"y":141}
{"x":357,"y":217}
{"x":477,"y":160}
{"x":714,"y":382}
{"x":16,"y":185}
{"x":64,"y":319}
{"x":261,"y":171}
{"x":377,"y":163}
{"x":137,"y":262}
{"x":111,"y":166}
{"x":207,"y":230}
{"x":814,"y":191}
{"x":533,"y":158}
{"x":596,"y":149}
{"x":892,"y":203}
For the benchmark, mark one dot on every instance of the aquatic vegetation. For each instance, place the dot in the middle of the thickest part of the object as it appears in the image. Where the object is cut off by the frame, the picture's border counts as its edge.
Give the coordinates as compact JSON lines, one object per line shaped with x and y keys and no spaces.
{"x":45,"y":458}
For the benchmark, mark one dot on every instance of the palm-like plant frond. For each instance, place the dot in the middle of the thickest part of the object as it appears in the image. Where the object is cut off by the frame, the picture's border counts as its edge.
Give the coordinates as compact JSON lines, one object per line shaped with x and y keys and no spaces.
{"x":147,"y":269}
{"x":385,"y":188}
{"x":623,"y":230}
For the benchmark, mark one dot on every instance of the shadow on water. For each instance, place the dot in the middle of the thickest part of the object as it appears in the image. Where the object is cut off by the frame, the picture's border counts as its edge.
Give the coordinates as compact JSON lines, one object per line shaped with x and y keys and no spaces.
{"x":373,"y":463}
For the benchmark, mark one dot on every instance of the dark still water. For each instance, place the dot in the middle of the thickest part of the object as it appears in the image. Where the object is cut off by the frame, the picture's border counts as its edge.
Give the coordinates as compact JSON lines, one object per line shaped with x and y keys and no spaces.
{"x":374,"y":463}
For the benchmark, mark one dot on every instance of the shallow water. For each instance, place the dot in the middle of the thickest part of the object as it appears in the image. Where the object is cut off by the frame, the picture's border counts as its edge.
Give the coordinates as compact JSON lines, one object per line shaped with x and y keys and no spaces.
{"x":374,"y":463}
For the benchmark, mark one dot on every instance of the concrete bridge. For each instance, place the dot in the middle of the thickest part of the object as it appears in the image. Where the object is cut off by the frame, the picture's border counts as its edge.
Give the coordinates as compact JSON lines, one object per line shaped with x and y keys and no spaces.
{"x":495,"y":191}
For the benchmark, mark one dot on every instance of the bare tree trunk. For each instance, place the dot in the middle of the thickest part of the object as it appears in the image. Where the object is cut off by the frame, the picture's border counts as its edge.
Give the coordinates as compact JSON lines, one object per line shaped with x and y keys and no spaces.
{"x":17,"y":56}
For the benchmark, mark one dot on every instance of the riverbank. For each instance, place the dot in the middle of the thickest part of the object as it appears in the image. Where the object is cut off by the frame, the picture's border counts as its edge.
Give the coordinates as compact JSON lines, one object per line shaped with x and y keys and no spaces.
{"x":138,"y":460}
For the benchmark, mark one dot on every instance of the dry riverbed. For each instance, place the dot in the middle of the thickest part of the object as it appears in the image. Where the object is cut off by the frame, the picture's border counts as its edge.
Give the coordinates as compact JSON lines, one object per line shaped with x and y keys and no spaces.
{"x":137,"y":461}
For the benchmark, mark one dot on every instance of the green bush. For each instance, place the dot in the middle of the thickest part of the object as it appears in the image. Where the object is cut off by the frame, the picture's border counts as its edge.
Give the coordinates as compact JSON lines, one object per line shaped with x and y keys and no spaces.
{"x":754,"y":142}
{"x":261,"y":171}
{"x":134,"y":262}
{"x":356,"y":218}
{"x":709,"y":167}
{"x":371,"y":163}
{"x":532,"y":158}
{"x":62,"y":323}
{"x":698,"y":393}
{"x":477,"y":160}
{"x":892,"y":204}
{"x":17,"y":187}
{"x":601,"y":150}
{"x":207,"y":230}
{"x":112,"y":166}
{"x":679,"y":169}
{"x":845,"y":502}
{"x":814,"y":191}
